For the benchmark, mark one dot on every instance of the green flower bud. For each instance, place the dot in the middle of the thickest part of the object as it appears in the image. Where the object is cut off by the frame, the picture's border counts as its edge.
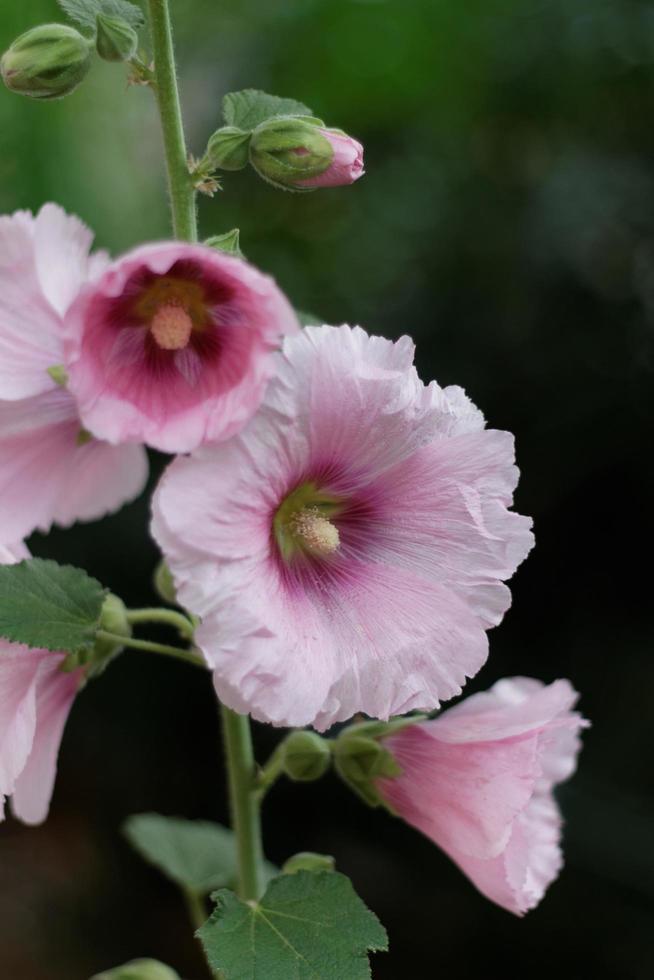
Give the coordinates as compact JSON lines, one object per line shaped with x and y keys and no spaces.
{"x":306,"y":756}
{"x":308,"y":861}
{"x":139,"y":970}
{"x":163,"y":583}
{"x":116,"y":40}
{"x":288,"y":150}
{"x":227,"y":148}
{"x":113,"y":619}
{"x":360,"y":760}
{"x":47,"y":62}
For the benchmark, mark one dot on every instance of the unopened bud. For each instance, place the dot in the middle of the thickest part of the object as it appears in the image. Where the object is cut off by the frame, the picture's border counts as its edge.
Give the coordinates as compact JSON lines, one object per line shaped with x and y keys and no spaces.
{"x":116,"y":40}
{"x":360,"y":760}
{"x":113,"y":619}
{"x":288,"y":150}
{"x":306,"y":757}
{"x":308,"y":861}
{"x":227,"y":148}
{"x":47,"y":62}
{"x":139,"y":970}
{"x":164,"y":584}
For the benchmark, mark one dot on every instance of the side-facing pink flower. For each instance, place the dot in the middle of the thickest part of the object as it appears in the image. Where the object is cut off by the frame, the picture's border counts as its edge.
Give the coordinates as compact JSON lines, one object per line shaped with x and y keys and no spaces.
{"x":35,"y":699}
{"x":346,"y":165}
{"x":52,"y":471}
{"x":478,"y":781}
{"x":172,"y":346}
{"x":346,"y":552}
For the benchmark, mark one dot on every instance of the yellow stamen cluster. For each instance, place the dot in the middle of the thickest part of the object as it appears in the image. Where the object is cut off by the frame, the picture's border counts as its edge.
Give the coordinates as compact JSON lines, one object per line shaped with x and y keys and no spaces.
{"x":171,"y":326}
{"x":314,"y":532}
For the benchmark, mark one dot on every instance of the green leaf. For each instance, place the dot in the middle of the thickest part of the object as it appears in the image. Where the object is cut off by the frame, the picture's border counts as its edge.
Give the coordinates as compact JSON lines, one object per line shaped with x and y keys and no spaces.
{"x":84,"y":12}
{"x":195,"y":854}
{"x":228,"y":242}
{"x":308,"y":926}
{"x":49,"y":606}
{"x":249,"y":108}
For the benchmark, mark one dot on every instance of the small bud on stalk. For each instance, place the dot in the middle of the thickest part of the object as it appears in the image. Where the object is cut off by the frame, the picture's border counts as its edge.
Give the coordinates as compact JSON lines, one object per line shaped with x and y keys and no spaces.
{"x":298,"y":153}
{"x":227,"y":148}
{"x":307,"y":756}
{"x":116,"y":40}
{"x":139,"y":970}
{"x":308,"y":861}
{"x":46,"y":62}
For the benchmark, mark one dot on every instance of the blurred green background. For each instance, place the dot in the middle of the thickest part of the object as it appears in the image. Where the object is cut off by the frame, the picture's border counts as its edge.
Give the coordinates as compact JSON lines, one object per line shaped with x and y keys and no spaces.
{"x":506,"y":221}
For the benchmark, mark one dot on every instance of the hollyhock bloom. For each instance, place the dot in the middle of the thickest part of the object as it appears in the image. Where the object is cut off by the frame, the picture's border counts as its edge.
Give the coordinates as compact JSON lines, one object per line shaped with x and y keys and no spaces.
{"x":172,"y":346}
{"x":52,"y":471}
{"x":35,"y":699}
{"x":478,"y":781}
{"x":346,"y":165}
{"x":346,"y":551}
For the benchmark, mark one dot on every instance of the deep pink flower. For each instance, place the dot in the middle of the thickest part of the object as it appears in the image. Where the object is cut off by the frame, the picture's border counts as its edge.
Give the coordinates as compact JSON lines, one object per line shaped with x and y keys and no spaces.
{"x":51,"y":471}
{"x":35,"y":699}
{"x":172,"y":346}
{"x":346,"y":165}
{"x":346,"y":551}
{"x":478,"y":781}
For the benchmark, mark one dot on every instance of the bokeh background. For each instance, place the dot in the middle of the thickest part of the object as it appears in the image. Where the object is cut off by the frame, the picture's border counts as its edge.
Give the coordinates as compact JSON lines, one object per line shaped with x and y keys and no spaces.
{"x":507,"y":222}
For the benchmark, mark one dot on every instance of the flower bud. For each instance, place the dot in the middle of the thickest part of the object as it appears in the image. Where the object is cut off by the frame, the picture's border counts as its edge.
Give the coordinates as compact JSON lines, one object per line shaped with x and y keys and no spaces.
{"x":164,"y":584}
{"x":47,"y":62}
{"x":297,"y":153}
{"x":113,"y":619}
{"x":116,"y":40}
{"x":359,"y":760}
{"x":306,"y":757}
{"x":227,"y":148}
{"x":308,"y":861}
{"x":139,"y":970}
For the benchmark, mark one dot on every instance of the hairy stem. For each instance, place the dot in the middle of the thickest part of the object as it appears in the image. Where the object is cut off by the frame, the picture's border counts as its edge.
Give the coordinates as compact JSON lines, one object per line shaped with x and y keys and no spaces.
{"x":180,"y":185}
{"x":246,"y":815}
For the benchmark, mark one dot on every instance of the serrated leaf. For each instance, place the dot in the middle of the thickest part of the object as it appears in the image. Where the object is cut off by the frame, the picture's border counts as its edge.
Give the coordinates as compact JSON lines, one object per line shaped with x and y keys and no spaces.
{"x":85,"y":12}
{"x":308,"y":926}
{"x":249,"y":108}
{"x":195,"y":854}
{"x":49,"y":606}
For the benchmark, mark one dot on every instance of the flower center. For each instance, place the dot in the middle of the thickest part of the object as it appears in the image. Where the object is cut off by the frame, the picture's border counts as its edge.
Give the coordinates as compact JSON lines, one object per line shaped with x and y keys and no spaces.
{"x":314,"y":532}
{"x":303,"y":523}
{"x":171,"y":326}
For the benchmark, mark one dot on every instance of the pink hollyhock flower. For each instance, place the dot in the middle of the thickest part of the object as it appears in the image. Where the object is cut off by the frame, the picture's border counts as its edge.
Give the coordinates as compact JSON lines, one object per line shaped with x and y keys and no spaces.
{"x":172,"y":346}
{"x":346,"y":551}
{"x":35,"y":699}
{"x":52,"y":471}
{"x":346,"y":165}
{"x":478,"y":781}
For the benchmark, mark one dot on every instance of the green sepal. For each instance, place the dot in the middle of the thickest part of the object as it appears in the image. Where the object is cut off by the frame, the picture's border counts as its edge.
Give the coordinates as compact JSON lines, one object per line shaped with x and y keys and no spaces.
{"x":274,"y":152}
{"x":59,"y":374}
{"x":116,"y":40}
{"x":308,"y":861}
{"x":228,"y":149}
{"x":305,"y":756}
{"x":164,"y":583}
{"x":228,"y":242}
{"x":139,"y":970}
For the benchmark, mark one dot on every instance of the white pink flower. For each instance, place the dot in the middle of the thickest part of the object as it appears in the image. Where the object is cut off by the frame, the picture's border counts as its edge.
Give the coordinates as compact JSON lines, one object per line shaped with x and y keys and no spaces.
{"x":35,"y":699}
{"x":346,"y":552}
{"x":172,"y":346}
{"x":52,"y":471}
{"x":478,"y":781}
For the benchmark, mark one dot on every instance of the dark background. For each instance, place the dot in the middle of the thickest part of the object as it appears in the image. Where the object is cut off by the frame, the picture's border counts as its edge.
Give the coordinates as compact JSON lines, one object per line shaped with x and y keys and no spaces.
{"x":507,"y":223}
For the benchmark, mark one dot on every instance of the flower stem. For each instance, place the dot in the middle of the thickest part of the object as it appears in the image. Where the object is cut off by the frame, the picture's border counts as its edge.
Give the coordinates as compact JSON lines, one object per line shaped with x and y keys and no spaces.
{"x":180,"y":185}
{"x":151,"y":647}
{"x":170,"y":617}
{"x":246,"y":815}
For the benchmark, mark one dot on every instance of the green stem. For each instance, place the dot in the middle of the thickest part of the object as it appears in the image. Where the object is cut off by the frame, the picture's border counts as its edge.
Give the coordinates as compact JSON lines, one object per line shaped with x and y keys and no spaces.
{"x":170,"y":617}
{"x":180,"y":185}
{"x":195,"y":907}
{"x":270,"y":773}
{"x":151,"y":647}
{"x":246,"y":816}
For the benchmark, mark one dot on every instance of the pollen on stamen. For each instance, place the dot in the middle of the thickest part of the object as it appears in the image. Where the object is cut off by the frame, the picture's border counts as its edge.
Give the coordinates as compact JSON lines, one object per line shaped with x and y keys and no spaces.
{"x":317,"y":534}
{"x":171,"y":326}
